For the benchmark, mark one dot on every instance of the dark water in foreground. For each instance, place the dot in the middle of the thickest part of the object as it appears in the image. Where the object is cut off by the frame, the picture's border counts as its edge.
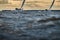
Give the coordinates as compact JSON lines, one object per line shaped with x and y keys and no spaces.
{"x":30,"y":25}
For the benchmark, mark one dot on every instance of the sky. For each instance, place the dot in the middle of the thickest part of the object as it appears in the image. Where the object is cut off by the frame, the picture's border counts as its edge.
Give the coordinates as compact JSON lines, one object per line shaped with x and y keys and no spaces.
{"x":29,"y":4}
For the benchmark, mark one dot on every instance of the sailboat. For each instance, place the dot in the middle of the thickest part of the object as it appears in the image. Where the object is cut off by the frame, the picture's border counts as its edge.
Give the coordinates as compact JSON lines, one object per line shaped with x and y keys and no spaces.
{"x":21,"y":8}
{"x":23,"y":2}
{"x":51,"y":5}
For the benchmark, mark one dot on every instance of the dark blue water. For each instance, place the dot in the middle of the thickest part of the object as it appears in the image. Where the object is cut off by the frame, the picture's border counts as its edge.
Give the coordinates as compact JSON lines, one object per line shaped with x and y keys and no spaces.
{"x":30,"y":25}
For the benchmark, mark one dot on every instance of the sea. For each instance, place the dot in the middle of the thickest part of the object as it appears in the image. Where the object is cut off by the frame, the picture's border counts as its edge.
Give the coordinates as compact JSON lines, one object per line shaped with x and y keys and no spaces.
{"x":30,"y":25}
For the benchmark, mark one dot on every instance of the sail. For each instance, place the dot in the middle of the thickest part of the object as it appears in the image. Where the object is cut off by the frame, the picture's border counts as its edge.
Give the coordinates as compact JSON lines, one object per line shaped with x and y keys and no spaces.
{"x":52,"y":4}
{"x":22,"y":3}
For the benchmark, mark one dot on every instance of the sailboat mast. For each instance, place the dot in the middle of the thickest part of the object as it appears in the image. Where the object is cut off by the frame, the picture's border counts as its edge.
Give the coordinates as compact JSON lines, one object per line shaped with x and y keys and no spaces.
{"x":52,"y":4}
{"x":22,"y":4}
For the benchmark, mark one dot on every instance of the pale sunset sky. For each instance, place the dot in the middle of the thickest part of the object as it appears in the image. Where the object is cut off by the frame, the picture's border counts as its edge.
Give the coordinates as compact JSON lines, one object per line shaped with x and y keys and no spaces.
{"x":29,"y":4}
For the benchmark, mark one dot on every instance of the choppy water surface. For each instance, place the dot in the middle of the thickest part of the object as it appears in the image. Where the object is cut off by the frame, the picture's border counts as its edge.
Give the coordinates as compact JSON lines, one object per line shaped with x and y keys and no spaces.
{"x":30,"y":25}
